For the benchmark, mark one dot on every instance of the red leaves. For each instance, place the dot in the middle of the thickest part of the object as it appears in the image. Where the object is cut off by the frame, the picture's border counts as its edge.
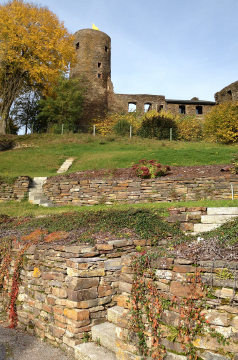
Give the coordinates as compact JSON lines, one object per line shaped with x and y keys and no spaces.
{"x":147,"y":169}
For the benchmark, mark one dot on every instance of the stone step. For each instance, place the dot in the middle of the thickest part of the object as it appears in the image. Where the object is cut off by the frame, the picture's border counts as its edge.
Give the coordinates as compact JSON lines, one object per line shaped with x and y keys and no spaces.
{"x":114,"y":313}
{"x":105,"y":334}
{"x":65,"y":166}
{"x":37,"y":196}
{"x":90,"y":351}
{"x":222,"y":211}
{"x":48,"y":204}
{"x":40,"y":178}
{"x":217,"y":219}
{"x":205,"y":227}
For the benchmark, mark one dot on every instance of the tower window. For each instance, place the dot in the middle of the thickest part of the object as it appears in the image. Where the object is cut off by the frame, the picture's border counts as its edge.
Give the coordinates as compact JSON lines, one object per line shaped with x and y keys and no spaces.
{"x":182,"y":109}
{"x":99,"y":76}
{"x":77,"y":46}
{"x":199,"y":110}
{"x":99,"y":64}
{"x":161,"y":107}
{"x":106,"y":48}
{"x":229,"y":95}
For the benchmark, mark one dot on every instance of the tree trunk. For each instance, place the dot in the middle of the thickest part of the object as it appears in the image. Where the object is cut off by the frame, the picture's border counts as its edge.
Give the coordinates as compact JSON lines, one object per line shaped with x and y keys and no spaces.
{"x":3,"y":125}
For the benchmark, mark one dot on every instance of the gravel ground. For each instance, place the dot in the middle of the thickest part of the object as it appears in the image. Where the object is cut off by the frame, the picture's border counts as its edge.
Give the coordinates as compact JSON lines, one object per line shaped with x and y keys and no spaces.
{"x":18,"y":345}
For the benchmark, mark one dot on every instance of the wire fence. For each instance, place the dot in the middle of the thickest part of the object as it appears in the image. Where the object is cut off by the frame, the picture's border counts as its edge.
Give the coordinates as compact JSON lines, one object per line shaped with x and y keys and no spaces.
{"x":90,"y":129}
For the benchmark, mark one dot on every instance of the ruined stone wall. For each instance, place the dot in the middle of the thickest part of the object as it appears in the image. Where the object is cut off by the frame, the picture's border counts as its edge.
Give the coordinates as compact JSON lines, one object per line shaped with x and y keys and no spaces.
{"x":171,"y":278}
{"x":228,"y":93}
{"x":110,"y":191}
{"x":120,"y":102}
{"x":16,"y":191}
{"x":190,"y":109}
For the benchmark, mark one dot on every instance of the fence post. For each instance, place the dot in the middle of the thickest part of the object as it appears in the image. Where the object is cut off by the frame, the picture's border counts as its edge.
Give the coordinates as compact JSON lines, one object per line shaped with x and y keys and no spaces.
{"x":130,"y":131}
{"x":62,"y":131}
{"x":170,"y":134}
{"x":94,"y":130}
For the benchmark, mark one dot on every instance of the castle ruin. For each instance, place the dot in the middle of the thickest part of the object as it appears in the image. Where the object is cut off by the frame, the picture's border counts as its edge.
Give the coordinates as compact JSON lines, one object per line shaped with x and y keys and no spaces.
{"x":93,"y":49}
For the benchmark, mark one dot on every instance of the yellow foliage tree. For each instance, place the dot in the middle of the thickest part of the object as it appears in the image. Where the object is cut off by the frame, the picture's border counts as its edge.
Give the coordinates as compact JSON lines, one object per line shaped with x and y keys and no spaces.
{"x":35,"y":48}
{"x":189,"y":128}
{"x":221,"y":123}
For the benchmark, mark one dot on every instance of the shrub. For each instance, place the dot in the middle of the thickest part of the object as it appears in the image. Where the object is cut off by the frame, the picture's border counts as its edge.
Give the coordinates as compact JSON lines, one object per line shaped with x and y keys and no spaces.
{"x":221,"y":123}
{"x":150,"y":169}
{"x":117,"y":122}
{"x":157,"y":125}
{"x":122,"y":127}
{"x":189,"y":128}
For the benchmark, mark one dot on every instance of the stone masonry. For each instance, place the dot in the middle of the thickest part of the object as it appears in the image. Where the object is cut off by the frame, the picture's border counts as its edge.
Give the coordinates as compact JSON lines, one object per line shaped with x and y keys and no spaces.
{"x":16,"y":191}
{"x":171,"y":280}
{"x":65,"y":290}
{"x":111,"y":191}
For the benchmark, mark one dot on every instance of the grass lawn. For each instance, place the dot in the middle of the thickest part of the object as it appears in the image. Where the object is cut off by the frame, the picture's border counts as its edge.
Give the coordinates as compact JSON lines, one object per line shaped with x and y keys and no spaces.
{"x":25,"y":209}
{"x":43,"y":154}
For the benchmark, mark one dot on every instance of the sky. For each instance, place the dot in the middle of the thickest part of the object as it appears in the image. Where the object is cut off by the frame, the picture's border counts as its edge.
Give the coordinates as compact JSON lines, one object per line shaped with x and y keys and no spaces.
{"x":176,"y":48}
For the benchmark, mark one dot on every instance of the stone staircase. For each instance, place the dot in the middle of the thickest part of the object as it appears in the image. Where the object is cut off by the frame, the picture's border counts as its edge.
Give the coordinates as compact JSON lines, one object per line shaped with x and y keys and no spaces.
{"x":36,"y":195}
{"x":215,"y":217}
{"x":103,"y":346}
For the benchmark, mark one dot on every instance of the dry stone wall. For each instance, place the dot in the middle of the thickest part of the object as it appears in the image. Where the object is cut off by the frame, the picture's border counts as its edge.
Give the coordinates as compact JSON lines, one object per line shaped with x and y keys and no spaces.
{"x":65,"y":290}
{"x":171,"y":280}
{"x":110,"y":191}
{"x":16,"y":191}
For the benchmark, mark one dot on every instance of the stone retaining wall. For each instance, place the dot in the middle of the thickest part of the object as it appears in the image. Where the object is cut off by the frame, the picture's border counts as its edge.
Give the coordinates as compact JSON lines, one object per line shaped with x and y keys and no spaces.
{"x":92,"y":192}
{"x":172,"y":281}
{"x":16,"y":191}
{"x":65,"y":290}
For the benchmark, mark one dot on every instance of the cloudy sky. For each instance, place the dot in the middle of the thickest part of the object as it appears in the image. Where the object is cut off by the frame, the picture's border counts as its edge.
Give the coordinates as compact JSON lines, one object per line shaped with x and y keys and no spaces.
{"x":176,"y":48}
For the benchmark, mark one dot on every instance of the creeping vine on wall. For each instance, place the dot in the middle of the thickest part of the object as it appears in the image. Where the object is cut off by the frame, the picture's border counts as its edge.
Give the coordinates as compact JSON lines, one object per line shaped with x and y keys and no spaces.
{"x":147,"y":300}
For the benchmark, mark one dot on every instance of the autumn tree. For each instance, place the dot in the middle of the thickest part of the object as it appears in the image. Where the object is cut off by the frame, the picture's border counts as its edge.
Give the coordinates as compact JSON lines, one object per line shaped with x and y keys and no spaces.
{"x":221,"y":123}
{"x":35,"y":48}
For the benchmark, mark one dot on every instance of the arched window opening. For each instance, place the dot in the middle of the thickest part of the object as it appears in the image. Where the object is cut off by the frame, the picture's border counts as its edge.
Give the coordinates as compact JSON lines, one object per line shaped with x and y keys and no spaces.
{"x":131,"y":107}
{"x":106,"y":48}
{"x":77,"y":46}
{"x":182,"y":109}
{"x":99,"y":65}
{"x":199,"y":110}
{"x":99,"y":76}
{"x":147,"y":107}
{"x":229,"y":95}
{"x":160,"y":108}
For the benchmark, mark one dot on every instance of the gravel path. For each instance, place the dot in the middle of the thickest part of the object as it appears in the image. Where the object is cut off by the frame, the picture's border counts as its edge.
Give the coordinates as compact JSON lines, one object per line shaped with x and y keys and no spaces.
{"x":18,"y":345}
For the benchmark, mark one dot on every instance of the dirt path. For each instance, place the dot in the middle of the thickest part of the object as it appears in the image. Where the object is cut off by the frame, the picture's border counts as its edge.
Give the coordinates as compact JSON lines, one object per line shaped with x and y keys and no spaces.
{"x":18,"y":345}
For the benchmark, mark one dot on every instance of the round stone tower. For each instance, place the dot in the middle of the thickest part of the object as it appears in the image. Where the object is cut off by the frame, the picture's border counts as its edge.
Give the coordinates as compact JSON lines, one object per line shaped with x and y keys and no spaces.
{"x":93,"y":50}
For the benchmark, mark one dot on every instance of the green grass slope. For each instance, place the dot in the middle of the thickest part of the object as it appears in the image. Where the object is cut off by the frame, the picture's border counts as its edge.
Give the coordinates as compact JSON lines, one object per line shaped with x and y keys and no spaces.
{"x":43,"y":154}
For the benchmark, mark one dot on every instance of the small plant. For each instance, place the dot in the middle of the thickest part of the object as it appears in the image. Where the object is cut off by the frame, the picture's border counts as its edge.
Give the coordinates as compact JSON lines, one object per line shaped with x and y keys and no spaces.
{"x":224,"y":274}
{"x":174,"y":333}
{"x":97,"y":342}
{"x":86,"y":337}
{"x":150,"y":169}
